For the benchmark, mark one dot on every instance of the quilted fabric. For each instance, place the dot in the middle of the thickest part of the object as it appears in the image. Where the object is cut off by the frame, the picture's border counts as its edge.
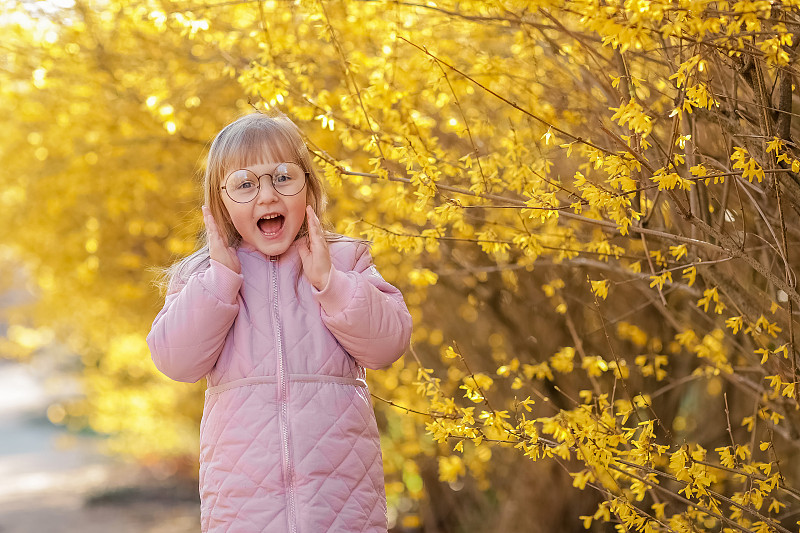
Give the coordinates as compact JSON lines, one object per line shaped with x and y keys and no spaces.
{"x":288,"y":439}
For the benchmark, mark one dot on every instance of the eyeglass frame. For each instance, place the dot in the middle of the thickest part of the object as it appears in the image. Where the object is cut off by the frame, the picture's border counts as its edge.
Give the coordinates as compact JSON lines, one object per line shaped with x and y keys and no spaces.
{"x":306,"y":175}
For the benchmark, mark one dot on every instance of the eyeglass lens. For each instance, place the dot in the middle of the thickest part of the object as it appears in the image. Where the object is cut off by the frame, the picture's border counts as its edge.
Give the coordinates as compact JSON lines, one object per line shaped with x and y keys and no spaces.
{"x":287,"y":179}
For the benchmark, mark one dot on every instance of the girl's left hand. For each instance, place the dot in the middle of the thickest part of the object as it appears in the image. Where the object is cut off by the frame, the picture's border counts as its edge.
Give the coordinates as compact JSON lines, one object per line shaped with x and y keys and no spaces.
{"x":315,"y":255}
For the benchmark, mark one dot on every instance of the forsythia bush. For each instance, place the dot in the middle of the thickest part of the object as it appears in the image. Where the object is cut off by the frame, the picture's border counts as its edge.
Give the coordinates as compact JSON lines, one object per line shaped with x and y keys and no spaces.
{"x":591,"y":208}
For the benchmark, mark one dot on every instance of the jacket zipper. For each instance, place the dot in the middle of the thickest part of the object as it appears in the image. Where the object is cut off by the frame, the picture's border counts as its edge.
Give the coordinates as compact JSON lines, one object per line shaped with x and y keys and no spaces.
{"x":288,"y":471}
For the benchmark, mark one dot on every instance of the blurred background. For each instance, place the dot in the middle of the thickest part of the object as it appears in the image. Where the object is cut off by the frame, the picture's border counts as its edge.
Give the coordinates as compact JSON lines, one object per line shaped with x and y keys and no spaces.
{"x":591,"y":209}
{"x":59,"y":480}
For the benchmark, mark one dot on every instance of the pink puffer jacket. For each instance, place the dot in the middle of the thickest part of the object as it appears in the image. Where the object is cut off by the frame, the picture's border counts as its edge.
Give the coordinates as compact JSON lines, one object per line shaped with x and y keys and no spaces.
{"x":288,"y":440}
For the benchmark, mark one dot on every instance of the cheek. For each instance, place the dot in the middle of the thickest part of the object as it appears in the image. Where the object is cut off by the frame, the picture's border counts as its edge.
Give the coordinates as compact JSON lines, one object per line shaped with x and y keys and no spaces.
{"x":239,"y":224}
{"x":298,"y":209}
{"x":298,"y":205}
{"x":232,"y":220}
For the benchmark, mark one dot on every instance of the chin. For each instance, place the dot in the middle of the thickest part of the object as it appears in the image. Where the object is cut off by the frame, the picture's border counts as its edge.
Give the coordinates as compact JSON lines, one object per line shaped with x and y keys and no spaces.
{"x":274,"y":248}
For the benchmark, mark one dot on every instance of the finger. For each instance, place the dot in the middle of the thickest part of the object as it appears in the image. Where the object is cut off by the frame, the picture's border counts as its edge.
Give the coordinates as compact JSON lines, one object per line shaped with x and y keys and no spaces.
{"x":212,"y":230}
{"x":208,"y":220}
{"x":318,"y":225}
{"x":310,"y":216}
{"x":211,"y":224}
{"x":317,"y":232}
{"x":312,"y":227}
{"x":207,"y":216}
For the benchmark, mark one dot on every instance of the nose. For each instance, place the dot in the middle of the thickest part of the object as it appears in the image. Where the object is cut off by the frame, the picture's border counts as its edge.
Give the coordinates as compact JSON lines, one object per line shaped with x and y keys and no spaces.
{"x":266,"y":192}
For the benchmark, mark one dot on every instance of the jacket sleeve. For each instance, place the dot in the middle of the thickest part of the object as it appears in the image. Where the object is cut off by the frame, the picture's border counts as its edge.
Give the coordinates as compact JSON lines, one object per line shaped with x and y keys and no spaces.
{"x":188,"y":334}
{"x":366,"y":314}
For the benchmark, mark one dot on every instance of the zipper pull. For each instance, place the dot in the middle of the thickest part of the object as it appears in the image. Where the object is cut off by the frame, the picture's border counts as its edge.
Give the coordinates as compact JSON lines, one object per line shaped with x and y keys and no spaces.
{"x":273,"y":258}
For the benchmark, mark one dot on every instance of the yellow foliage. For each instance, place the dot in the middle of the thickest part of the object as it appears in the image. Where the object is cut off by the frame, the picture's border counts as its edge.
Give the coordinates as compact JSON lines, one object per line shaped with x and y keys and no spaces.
{"x":497,"y":156}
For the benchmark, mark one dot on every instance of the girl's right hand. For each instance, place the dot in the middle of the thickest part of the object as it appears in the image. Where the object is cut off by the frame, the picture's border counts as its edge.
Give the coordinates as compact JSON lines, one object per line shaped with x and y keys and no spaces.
{"x":217,"y":247}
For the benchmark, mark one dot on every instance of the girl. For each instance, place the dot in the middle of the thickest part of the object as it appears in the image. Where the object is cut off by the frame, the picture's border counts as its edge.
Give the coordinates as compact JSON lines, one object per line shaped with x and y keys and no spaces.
{"x":282,"y":322}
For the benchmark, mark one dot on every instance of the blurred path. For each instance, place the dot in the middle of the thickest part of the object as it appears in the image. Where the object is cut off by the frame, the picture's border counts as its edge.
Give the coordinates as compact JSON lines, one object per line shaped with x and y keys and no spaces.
{"x":55,"y":482}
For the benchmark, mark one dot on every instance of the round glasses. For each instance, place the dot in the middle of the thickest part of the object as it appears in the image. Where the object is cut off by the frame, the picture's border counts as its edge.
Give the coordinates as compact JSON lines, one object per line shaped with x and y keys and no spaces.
{"x":243,"y":185}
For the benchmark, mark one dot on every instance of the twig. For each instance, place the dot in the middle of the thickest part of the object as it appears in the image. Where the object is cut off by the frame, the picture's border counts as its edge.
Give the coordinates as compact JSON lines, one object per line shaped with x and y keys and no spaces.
{"x":728,"y":418}
{"x":504,"y":99}
{"x":566,"y":214}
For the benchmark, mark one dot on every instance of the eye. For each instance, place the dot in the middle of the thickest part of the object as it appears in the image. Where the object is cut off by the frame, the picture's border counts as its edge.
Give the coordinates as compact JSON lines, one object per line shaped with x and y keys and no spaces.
{"x":241,"y":181}
{"x":282,"y":178}
{"x":244,"y":184}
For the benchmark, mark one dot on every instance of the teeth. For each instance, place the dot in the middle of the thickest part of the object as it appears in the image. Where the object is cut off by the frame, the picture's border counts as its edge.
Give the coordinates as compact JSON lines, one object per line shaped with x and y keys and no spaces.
{"x":269,"y":216}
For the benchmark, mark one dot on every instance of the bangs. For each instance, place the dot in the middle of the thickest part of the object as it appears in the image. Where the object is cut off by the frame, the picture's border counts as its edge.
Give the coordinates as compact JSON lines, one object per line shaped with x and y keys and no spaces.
{"x":257,"y":139}
{"x":255,"y":146}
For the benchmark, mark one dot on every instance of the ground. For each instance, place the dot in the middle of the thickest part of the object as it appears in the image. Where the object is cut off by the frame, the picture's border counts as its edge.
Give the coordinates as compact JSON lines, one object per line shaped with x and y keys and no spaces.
{"x":56,"y":482}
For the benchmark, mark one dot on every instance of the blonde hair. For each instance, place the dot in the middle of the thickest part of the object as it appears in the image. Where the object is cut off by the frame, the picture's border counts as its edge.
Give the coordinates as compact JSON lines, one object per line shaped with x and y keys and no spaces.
{"x":250,"y":140}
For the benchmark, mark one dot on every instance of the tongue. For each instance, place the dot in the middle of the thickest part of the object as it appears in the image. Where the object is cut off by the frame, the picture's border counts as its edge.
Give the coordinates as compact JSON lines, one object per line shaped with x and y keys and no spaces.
{"x":271,"y":225}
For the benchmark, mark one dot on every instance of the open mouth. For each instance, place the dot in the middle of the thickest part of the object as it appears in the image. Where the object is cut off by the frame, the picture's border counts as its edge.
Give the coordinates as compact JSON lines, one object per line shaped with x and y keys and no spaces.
{"x":270,"y":224}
